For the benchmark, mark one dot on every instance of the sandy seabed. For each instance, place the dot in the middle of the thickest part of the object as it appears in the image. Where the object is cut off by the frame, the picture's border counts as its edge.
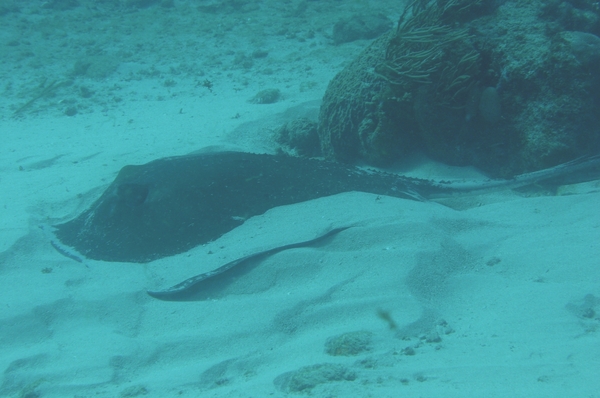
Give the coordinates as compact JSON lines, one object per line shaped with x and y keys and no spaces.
{"x":498,"y":299}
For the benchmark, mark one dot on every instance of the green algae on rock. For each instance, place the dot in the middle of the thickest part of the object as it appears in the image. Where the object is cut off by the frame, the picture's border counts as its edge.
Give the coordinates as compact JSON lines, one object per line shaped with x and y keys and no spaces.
{"x":505,"y":86}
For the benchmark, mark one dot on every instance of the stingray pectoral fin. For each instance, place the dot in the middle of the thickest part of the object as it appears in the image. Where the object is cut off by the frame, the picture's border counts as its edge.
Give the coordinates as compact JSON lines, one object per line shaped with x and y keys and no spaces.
{"x":207,"y":285}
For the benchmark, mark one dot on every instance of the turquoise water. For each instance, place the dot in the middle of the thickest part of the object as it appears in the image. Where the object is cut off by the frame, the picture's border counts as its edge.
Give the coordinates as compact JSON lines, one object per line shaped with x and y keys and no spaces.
{"x":487,"y":293}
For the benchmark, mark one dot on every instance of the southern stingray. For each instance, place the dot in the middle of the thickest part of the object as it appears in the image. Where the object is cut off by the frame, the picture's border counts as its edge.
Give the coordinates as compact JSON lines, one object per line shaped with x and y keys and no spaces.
{"x":170,"y":205}
{"x":173,"y":204}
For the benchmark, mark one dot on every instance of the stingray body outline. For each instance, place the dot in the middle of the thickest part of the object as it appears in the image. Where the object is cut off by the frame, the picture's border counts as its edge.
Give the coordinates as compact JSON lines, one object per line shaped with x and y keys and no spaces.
{"x":170,"y":205}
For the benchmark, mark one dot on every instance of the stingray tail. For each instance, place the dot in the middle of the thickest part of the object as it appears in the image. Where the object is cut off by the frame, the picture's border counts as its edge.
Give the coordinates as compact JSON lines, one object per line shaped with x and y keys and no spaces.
{"x":583,"y":169}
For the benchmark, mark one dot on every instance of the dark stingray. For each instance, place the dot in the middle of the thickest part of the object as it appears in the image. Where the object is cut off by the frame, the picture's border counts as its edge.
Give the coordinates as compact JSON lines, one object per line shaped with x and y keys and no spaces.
{"x":171,"y":205}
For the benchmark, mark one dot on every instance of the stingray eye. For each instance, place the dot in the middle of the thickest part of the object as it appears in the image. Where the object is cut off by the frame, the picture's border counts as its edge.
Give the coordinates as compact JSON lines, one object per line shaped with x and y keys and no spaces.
{"x":132,"y":194}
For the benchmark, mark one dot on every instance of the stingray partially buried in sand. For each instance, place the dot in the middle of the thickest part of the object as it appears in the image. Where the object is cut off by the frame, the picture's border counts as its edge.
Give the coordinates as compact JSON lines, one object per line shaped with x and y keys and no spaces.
{"x":171,"y":205}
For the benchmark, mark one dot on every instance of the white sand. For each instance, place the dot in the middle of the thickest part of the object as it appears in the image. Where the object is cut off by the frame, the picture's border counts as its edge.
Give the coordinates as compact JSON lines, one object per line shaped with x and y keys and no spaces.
{"x":499,"y":289}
